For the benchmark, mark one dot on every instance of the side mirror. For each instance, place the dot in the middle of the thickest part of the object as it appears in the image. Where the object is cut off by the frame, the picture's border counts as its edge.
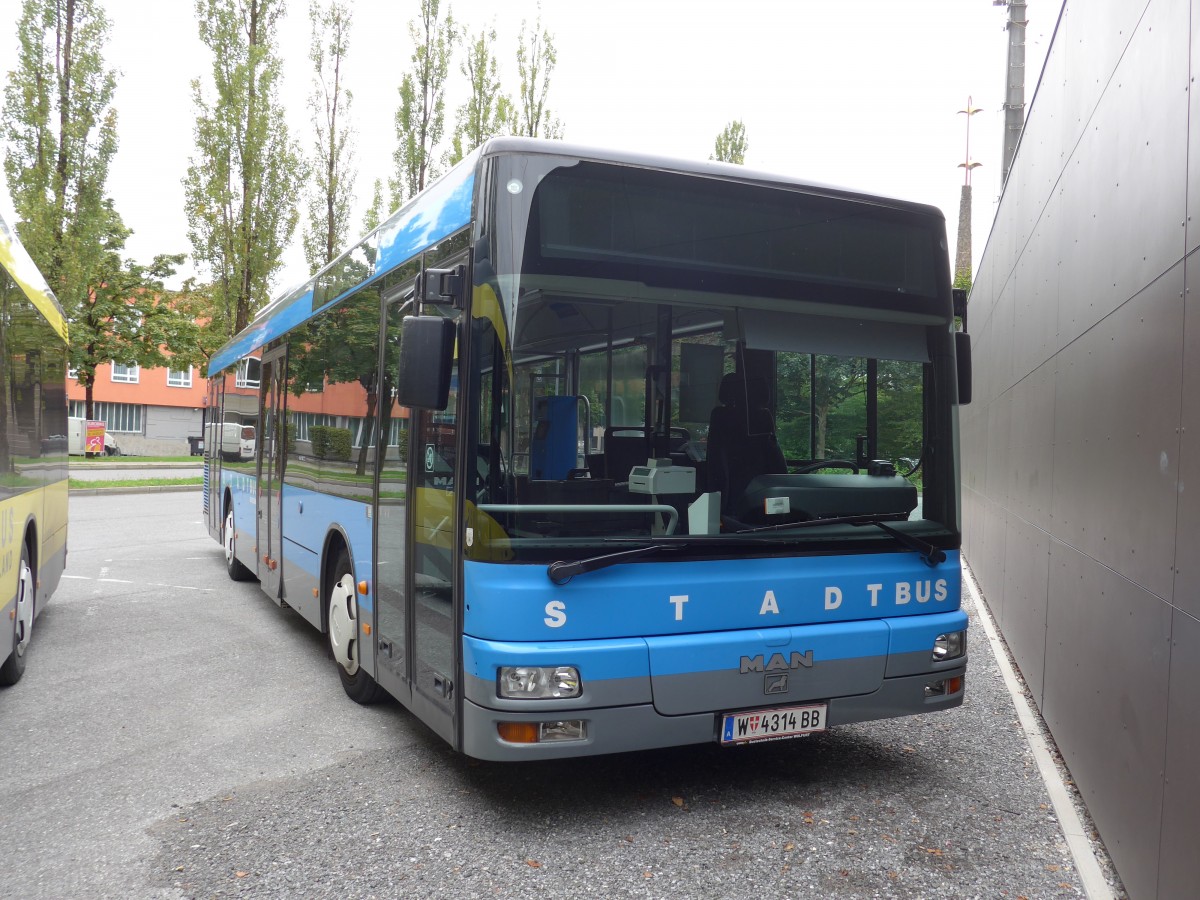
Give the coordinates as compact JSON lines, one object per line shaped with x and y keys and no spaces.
{"x":426,"y":361}
{"x":962,"y":354}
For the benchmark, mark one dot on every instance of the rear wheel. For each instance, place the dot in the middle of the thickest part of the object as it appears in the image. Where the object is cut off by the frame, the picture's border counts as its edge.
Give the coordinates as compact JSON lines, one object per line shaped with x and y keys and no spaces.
{"x":14,"y":667}
{"x":237,"y":571}
{"x":344,"y":633}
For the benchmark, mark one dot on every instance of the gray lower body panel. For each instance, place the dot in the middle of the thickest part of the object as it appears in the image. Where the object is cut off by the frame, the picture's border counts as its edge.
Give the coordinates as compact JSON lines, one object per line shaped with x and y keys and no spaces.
{"x":641,"y":727}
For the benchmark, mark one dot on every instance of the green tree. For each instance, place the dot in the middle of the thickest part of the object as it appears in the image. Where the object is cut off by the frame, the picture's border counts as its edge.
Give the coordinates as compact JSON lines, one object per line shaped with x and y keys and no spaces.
{"x":421,"y":116}
{"x":130,"y":318}
{"x":60,"y":132}
{"x":242,"y":181}
{"x":536,"y":58}
{"x":332,"y":162}
{"x":376,"y":212}
{"x":488,"y":111}
{"x":731,"y":144}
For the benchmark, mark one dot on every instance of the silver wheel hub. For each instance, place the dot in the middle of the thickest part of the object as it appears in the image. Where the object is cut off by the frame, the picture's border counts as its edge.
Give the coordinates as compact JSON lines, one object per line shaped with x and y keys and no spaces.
{"x":229,"y":538}
{"x":343,"y":624}
{"x":24,"y":608}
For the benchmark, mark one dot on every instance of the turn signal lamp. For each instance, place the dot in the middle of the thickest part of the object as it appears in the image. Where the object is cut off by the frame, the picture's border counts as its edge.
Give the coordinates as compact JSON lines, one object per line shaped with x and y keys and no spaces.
{"x":542,"y":732}
{"x":539,"y":682}
{"x":944,"y":688}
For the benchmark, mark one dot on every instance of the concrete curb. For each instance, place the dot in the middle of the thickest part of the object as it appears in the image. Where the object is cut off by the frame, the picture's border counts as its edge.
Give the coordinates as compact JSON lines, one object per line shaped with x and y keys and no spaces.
{"x":1083,"y":848}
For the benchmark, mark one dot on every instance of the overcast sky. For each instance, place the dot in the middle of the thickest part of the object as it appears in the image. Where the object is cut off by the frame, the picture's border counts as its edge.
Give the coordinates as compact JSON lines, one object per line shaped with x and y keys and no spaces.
{"x":858,"y":93}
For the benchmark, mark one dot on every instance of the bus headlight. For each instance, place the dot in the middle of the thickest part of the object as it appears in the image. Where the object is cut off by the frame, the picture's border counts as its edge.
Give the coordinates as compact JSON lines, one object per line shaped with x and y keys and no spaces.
{"x":949,"y":646}
{"x":539,"y":682}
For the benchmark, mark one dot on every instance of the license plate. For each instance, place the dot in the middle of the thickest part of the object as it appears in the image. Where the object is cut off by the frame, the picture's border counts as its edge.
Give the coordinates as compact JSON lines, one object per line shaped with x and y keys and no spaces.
{"x":772,"y":724}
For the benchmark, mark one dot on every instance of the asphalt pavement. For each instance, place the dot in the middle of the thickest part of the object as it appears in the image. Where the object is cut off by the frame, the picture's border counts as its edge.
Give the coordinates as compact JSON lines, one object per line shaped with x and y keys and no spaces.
{"x":178,"y":735}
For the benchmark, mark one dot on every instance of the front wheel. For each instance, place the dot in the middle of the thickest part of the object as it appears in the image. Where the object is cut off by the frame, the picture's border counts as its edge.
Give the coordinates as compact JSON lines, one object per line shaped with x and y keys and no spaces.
{"x":344,"y":629}
{"x":14,"y":667}
{"x":237,"y":571}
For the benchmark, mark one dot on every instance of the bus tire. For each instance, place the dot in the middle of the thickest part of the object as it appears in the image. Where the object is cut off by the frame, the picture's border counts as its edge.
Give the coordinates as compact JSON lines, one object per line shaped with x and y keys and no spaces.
{"x":237,"y":571}
{"x":14,"y":667}
{"x":343,"y":631}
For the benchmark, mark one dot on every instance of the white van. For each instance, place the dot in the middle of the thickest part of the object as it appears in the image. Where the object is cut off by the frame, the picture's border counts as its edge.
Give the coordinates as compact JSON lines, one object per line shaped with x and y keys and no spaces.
{"x":236,"y":440}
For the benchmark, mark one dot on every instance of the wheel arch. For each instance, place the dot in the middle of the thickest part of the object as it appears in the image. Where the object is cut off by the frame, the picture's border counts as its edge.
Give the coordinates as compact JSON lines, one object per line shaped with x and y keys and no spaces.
{"x":33,"y":546}
{"x":336,"y":539}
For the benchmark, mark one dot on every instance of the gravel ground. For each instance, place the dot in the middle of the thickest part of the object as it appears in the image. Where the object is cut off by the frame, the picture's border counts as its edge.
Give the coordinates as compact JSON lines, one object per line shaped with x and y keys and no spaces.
{"x":947,"y":805}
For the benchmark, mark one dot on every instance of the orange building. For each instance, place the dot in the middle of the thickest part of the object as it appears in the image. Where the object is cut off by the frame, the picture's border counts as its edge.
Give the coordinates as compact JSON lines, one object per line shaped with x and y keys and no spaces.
{"x":150,"y":412}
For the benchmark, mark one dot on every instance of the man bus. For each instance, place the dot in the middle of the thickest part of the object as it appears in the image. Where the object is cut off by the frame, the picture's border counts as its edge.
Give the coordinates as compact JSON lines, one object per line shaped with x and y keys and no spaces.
{"x":585,"y":451}
{"x":33,"y":450}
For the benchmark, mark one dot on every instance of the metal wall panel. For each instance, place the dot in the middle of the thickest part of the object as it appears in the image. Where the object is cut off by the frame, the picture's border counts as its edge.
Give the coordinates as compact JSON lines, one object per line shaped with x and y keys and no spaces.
{"x":1122,"y":185}
{"x":1107,"y":669}
{"x":997,"y":485}
{"x":1180,"y":863}
{"x":1092,"y":36}
{"x":1187,"y":539}
{"x":1115,"y":441}
{"x":1036,"y":294}
{"x":1193,"y":182}
{"x":1026,"y":580}
{"x":1031,"y":438}
{"x":1085,"y":434}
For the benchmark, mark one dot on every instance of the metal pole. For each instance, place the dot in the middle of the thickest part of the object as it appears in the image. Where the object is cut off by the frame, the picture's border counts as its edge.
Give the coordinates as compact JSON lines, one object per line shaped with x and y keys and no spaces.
{"x":1014,"y":103}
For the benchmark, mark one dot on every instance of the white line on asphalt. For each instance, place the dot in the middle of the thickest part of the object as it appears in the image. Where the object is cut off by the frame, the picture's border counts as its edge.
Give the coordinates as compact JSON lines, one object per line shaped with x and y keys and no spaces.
{"x":1095,"y":885}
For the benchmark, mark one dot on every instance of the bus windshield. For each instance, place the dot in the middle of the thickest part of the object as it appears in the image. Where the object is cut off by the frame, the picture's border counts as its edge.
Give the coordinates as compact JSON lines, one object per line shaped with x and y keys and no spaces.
{"x":682,"y":356}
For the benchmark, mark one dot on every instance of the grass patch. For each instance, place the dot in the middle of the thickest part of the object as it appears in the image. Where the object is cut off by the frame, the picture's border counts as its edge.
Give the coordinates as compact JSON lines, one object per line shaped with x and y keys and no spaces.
{"x":80,"y":484}
{"x":135,"y":460}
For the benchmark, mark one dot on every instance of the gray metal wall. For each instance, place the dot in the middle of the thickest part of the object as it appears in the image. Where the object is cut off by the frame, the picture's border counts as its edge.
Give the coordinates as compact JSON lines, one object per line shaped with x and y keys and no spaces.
{"x":1082,"y":448}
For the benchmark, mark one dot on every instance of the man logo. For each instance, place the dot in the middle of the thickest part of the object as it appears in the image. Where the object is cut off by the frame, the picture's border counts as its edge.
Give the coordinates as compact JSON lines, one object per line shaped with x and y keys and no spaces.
{"x":777,"y":663}
{"x":775,"y":684}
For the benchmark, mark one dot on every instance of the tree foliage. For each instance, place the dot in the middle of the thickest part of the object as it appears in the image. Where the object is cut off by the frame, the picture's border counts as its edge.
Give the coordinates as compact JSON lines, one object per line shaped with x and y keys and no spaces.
{"x":488,"y":111}
{"x":245,"y":173}
{"x":536,"y":58}
{"x":731,"y":144}
{"x":421,"y":116}
{"x":60,"y":132}
{"x":332,"y":162}
{"x":130,"y":318}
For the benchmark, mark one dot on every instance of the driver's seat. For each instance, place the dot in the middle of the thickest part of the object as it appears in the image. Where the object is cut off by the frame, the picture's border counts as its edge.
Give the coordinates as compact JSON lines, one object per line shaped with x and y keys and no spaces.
{"x":741,"y":440}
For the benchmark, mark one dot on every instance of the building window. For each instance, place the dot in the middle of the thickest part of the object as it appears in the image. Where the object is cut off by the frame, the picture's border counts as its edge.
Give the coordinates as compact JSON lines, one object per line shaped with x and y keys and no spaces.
{"x":117,"y":417}
{"x":72,"y":374}
{"x":125,"y":374}
{"x":249,"y":372}
{"x":181,"y":378}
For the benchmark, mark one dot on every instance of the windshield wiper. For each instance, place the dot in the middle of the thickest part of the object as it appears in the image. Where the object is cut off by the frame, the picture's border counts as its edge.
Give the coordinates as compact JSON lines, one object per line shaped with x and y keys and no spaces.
{"x":930,"y":554}
{"x":561,"y":571}
{"x":865,"y":519}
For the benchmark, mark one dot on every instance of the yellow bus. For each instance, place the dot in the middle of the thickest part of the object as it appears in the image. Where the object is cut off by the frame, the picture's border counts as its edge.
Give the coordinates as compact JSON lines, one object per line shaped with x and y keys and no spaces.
{"x":33,"y":449}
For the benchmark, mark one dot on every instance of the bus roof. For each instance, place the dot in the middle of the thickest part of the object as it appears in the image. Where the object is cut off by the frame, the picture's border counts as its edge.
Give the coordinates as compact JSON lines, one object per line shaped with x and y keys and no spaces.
{"x":446,"y":206}
{"x":17,"y":262}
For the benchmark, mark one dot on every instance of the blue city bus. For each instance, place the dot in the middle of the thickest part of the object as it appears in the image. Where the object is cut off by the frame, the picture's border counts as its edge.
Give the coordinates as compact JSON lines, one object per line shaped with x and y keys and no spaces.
{"x":586,"y":451}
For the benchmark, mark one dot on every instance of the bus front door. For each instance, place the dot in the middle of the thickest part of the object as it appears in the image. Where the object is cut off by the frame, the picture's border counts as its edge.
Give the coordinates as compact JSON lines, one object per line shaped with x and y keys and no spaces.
{"x":435,"y":620}
{"x":270,"y":474}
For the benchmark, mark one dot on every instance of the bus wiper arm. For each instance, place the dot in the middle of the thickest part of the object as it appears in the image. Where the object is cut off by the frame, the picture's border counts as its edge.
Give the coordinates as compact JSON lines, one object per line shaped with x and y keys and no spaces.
{"x":561,"y":571}
{"x":930,"y":554}
{"x":867,"y":519}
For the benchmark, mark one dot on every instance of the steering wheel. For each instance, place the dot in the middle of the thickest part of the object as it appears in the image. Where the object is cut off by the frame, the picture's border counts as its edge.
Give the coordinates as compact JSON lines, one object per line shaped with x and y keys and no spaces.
{"x":828,"y":464}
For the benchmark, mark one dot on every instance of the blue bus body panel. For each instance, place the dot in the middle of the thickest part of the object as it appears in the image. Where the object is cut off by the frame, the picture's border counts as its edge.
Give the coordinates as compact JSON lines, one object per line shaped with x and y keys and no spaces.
{"x":699,"y":637}
{"x":664,"y":598}
{"x":305,"y":532}
{"x":440,"y":210}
